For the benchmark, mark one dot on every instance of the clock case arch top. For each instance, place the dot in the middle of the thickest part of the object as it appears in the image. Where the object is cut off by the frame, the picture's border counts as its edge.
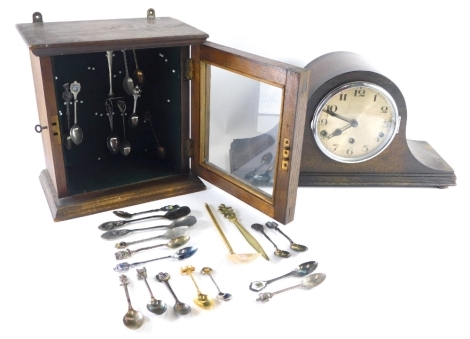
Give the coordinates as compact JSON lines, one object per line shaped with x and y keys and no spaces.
{"x":403,"y":163}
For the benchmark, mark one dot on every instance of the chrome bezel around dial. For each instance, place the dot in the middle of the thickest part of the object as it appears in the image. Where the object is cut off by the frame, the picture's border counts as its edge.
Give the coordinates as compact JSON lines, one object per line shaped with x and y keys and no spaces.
{"x":395,"y":121}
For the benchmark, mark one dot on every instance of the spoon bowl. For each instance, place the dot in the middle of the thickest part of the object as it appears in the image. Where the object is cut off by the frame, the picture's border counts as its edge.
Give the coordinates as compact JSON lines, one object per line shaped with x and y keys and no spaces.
{"x":204,"y":301}
{"x":133,"y":319}
{"x":242,"y":258}
{"x":178,"y":242}
{"x":156,"y":306}
{"x":113,"y":143}
{"x":125,"y":148}
{"x":281,"y":253}
{"x":181,"y":308}
{"x":298,"y":247}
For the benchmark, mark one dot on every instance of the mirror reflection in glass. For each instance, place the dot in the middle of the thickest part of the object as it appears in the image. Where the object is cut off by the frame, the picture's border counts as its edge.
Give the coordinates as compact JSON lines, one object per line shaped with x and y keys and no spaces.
{"x":243,"y":118}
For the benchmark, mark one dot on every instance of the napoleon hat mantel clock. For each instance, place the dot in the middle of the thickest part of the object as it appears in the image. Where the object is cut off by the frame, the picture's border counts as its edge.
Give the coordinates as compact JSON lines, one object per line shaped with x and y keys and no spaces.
{"x":355,"y":130}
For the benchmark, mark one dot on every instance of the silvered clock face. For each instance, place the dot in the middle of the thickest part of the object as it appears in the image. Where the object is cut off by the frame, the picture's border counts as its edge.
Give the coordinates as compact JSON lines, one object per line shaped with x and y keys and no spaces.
{"x":355,"y":122}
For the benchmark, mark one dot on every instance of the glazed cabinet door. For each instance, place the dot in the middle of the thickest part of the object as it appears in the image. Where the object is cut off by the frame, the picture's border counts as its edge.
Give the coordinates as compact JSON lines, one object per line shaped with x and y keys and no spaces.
{"x":247,"y":121}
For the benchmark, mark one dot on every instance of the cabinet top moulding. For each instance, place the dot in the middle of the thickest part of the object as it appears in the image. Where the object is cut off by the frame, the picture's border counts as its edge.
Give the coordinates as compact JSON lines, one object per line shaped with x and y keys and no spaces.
{"x":74,"y":37}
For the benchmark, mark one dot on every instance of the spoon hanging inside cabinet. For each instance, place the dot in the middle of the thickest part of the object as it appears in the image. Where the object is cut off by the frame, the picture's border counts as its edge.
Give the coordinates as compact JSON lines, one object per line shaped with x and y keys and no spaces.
{"x":113,"y":140}
{"x":160,"y":149}
{"x":67,"y":96}
{"x":134,"y":118}
{"x":138,"y":75}
{"x":128,"y":83}
{"x":125,"y":146}
{"x":109,"y":56}
{"x":76,"y":133}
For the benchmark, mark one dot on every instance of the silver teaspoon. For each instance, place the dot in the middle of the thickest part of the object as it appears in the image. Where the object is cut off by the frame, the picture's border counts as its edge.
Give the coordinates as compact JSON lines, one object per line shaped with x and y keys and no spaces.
{"x":127,"y":215}
{"x":308,"y":282}
{"x":300,"y":271}
{"x":293,"y":245}
{"x":170,"y":234}
{"x":173,"y":214}
{"x":278,"y":253}
{"x":221,"y":296}
{"x":179,"y":308}
{"x":76,"y":133}
{"x":181,"y":254}
{"x":155,"y":306}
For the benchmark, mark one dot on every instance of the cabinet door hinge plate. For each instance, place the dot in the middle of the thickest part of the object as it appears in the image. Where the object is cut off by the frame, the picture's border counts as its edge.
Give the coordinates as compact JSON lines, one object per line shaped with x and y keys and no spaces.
{"x":188,"y":69}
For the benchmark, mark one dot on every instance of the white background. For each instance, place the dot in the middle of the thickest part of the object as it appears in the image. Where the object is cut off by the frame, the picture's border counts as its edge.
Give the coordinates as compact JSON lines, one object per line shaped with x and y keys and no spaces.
{"x":396,"y":259}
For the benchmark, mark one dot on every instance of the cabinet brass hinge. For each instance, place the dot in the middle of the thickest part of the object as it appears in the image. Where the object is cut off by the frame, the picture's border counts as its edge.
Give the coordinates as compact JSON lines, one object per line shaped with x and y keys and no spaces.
{"x":188,"y":69}
{"x":189,"y":148}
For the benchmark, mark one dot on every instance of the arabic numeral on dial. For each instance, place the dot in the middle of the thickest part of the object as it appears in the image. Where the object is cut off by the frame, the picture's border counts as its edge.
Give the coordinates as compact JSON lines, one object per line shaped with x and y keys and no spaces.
{"x":323,"y":121}
{"x":335,"y":146}
{"x":375,"y":98}
{"x":360,"y":93}
{"x":384,"y":109}
{"x":331,"y":108}
{"x":349,"y":151}
{"x":365,"y":148}
{"x":342,"y":97}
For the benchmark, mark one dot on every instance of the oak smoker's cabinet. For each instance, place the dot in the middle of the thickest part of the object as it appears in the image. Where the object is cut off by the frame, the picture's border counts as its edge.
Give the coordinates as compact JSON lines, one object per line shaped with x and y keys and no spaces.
{"x":239,"y":125}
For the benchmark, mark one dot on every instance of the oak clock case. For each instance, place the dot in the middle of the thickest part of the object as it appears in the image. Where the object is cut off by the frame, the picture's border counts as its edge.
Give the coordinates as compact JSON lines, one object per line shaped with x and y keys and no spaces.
{"x":355,"y":130}
{"x":192,"y":124}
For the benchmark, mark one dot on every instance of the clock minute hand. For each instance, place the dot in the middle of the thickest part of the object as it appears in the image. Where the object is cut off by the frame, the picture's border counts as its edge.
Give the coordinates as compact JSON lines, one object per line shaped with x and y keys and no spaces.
{"x":336,"y":115}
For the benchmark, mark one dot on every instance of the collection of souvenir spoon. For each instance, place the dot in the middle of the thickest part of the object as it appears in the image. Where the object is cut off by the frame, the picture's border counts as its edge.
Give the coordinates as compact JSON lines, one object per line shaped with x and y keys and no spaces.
{"x":132,"y":86}
{"x":175,"y":237}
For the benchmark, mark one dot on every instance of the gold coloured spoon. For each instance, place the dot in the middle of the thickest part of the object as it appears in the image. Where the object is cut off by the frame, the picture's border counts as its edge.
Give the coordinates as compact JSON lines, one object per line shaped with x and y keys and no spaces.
{"x":202,"y":300}
{"x":230,"y":215}
{"x":132,"y":319}
{"x":308,"y":282}
{"x":233,"y":257}
{"x":173,"y":243}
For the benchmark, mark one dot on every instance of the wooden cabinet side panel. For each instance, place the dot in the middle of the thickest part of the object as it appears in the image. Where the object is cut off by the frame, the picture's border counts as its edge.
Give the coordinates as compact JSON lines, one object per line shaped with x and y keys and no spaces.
{"x":47,"y":108}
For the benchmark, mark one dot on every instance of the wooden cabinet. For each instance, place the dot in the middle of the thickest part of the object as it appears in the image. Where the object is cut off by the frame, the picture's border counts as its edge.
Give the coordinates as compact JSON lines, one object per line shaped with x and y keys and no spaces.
{"x":207,"y":105}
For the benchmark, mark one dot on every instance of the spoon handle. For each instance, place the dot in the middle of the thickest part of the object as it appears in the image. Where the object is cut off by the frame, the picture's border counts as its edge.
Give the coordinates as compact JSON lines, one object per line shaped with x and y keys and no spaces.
{"x":170,"y":289}
{"x":219,"y":229}
{"x":264,"y":297}
{"x":277,"y":229}
{"x":282,"y":276}
{"x":135,"y":59}
{"x":146,"y":261}
{"x":124,"y":283}
{"x":264,"y":233}
{"x":147,"y":248}
{"x":125,"y":61}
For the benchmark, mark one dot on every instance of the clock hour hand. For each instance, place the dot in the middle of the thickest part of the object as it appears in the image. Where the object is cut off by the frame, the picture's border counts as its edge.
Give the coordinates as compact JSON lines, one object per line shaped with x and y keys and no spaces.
{"x":340,"y":131}
{"x":336,"y":115}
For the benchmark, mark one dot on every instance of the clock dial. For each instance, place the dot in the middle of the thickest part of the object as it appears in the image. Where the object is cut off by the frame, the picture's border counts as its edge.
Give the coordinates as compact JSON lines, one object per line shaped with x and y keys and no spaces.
{"x":355,"y":122}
